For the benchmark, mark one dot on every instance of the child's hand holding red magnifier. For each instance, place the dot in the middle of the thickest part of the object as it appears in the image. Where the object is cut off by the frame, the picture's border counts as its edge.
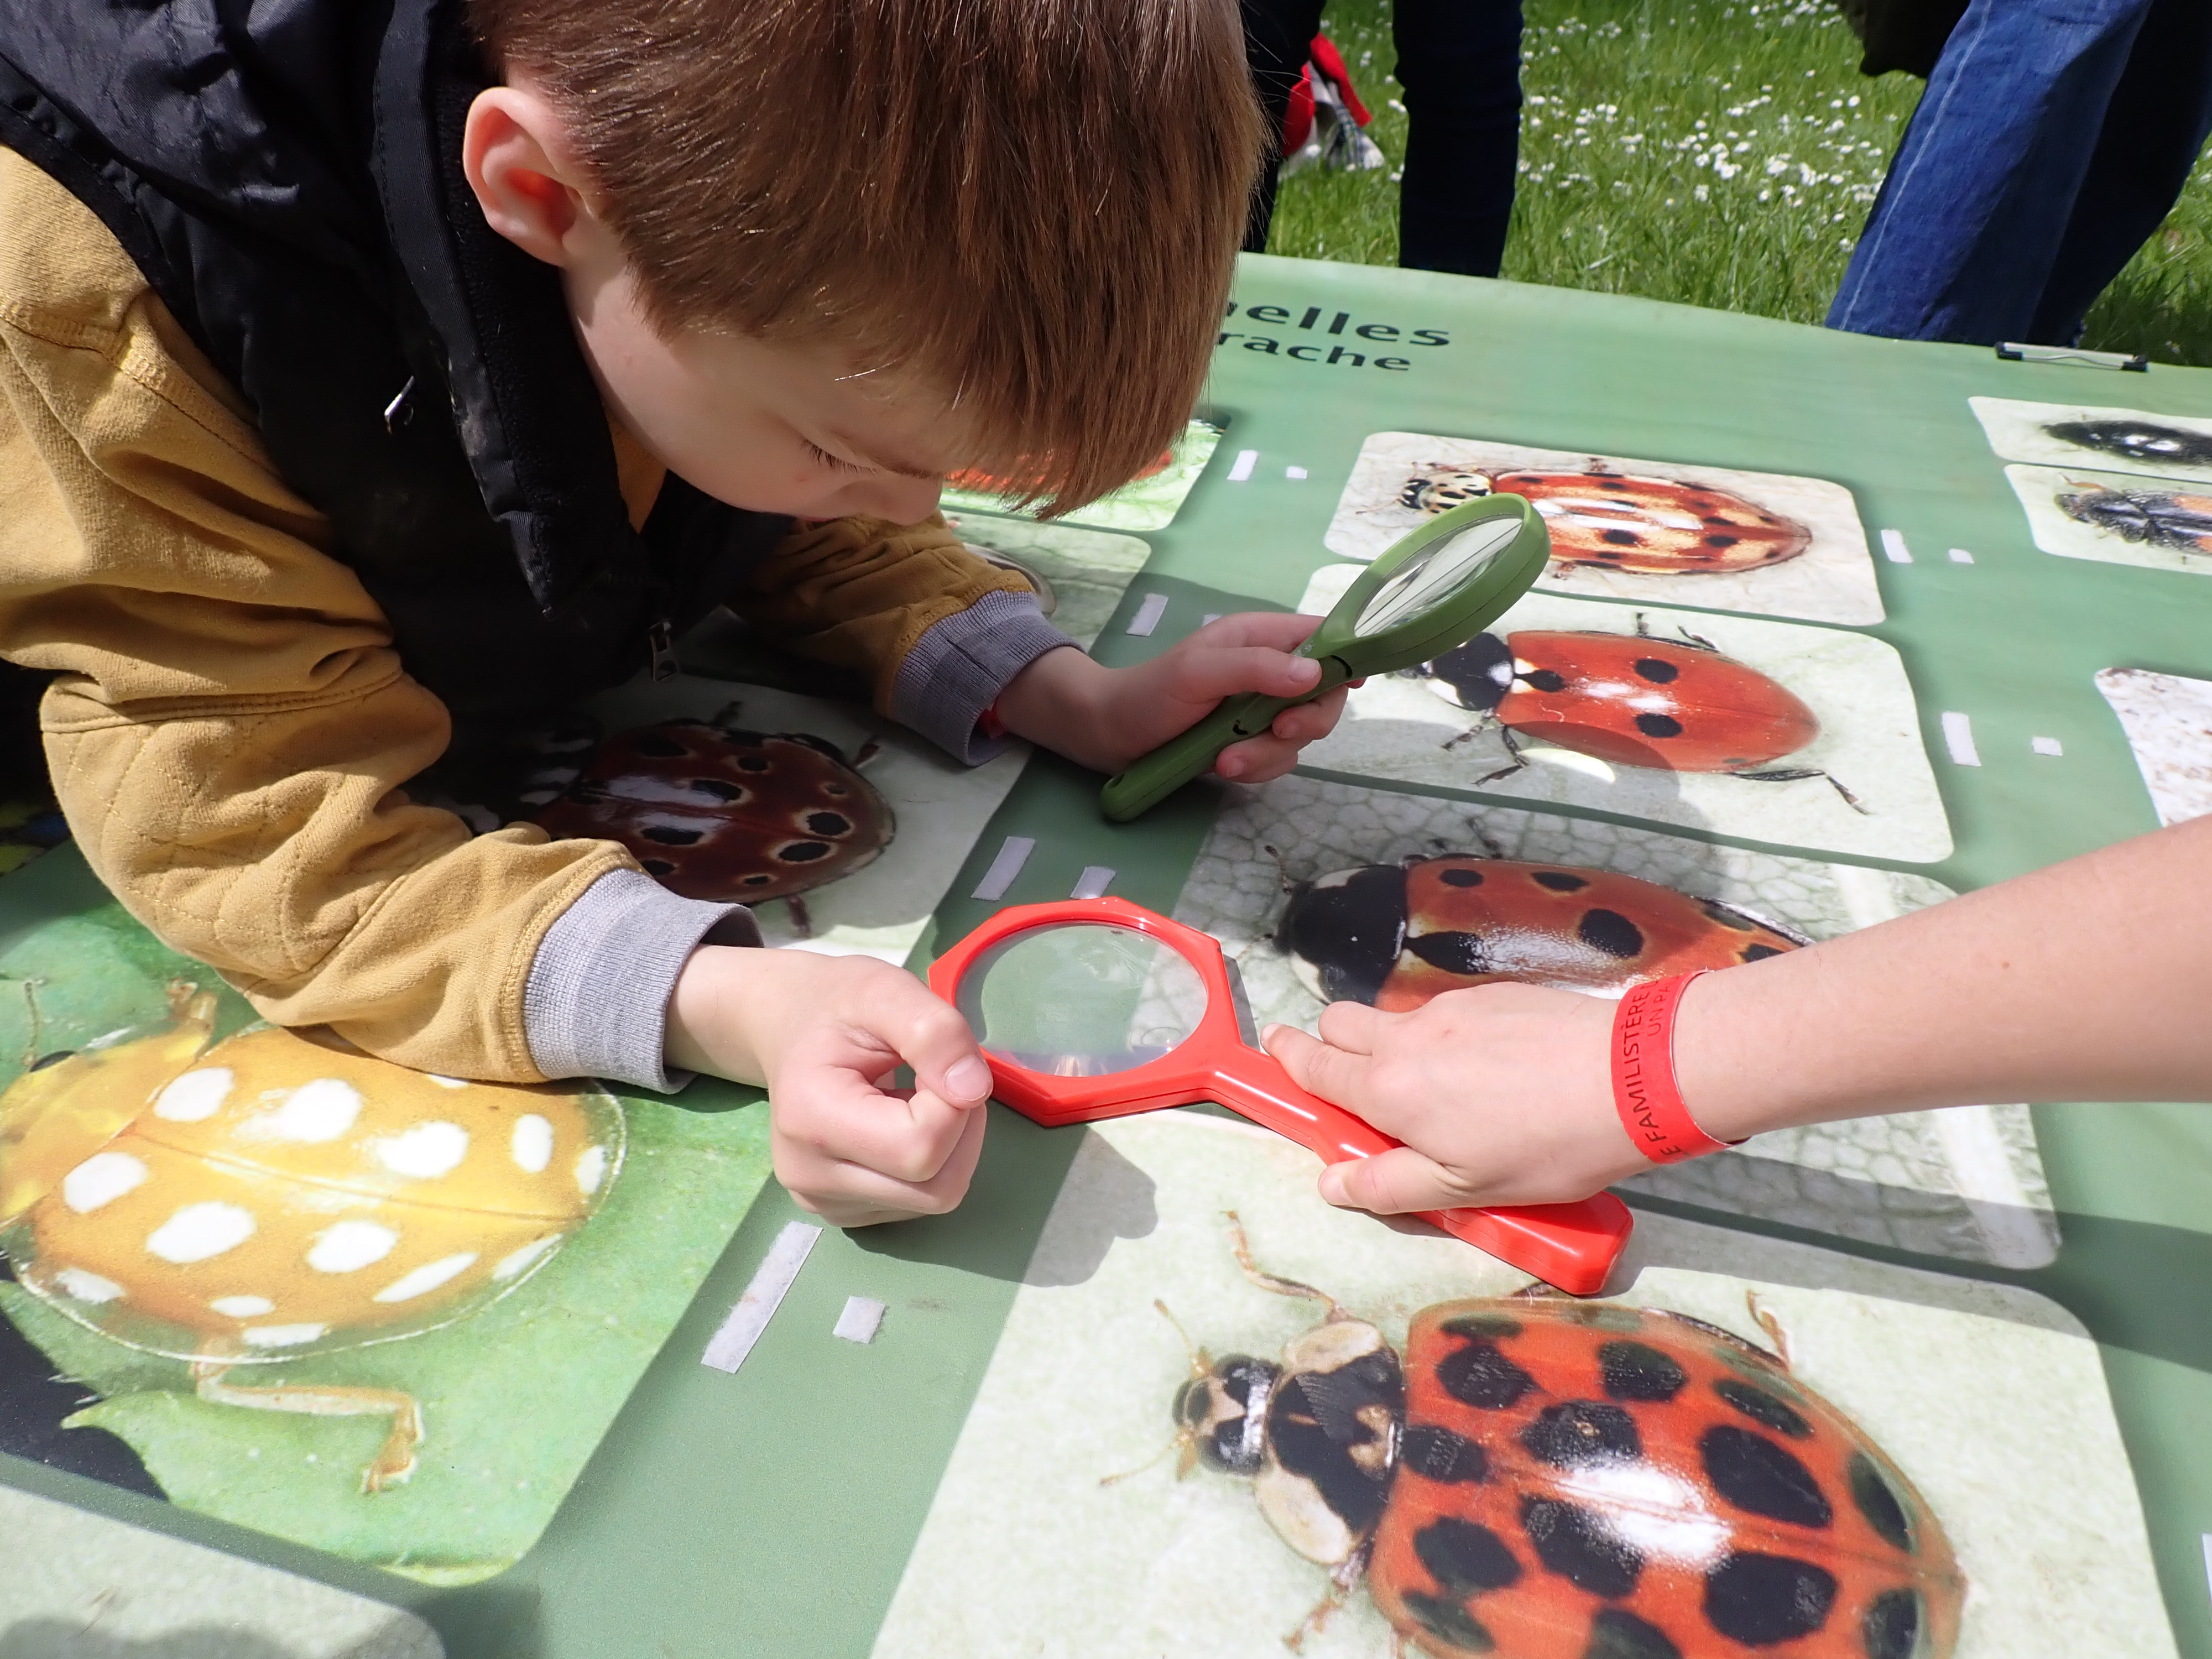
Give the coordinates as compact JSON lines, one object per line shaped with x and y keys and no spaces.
{"x":1094,"y":1008}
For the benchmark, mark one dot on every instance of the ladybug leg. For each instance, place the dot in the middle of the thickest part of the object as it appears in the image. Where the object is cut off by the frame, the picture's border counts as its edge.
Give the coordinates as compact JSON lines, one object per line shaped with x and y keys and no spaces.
{"x":1513,"y":750}
{"x":1794,"y":774}
{"x":1485,"y":724}
{"x":1267,"y":1281}
{"x":1766,"y":1321}
{"x":1342,"y":1578}
{"x":866,"y":752}
{"x":801,"y":923}
{"x":393,"y":1463}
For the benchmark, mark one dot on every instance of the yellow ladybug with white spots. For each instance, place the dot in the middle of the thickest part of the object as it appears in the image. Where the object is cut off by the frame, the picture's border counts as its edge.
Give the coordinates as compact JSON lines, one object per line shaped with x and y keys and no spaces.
{"x":281,"y":1193}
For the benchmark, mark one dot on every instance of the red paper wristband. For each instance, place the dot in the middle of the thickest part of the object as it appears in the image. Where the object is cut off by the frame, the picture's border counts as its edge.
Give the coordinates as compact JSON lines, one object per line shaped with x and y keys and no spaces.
{"x":989,"y":723}
{"x":1644,"y":1089}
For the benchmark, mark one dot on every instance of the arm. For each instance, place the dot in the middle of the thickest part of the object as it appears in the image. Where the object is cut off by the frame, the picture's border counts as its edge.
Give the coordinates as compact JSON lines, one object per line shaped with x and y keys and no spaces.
{"x":230,"y":726}
{"x":943,"y":636}
{"x":2082,"y":981}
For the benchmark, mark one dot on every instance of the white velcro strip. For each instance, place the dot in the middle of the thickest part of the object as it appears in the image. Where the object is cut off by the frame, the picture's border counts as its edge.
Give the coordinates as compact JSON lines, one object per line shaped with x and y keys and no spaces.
{"x":862,"y":1318}
{"x":1959,"y":556}
{"x":778,"y":1269}
{"x":1959,"y":738}
{"x":1294,"y":472}
{"x":1242,"y":468}
{"x":1013,"y":853}
{"x":1149,"y":614}
{"x":1893,"y":547}
{"x":2046,"y":745}
{"x":1093,"y":882}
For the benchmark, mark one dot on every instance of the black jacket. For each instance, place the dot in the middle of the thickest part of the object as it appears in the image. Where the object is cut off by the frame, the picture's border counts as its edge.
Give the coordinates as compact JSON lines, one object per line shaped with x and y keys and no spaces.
{"x":287,"y":175}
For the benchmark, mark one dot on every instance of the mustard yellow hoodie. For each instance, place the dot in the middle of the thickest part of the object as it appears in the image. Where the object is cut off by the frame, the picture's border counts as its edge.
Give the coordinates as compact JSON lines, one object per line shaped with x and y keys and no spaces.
{"x":231,"y":730}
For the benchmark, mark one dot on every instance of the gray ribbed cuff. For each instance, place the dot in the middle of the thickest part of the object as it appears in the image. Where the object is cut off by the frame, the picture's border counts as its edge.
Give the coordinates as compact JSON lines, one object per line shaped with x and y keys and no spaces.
{"x":958,"y":667}
{"x":596,"y":1001}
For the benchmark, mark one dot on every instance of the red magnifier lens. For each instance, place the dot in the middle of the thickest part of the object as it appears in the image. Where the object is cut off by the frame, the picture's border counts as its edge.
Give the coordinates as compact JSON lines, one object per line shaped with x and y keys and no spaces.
{"x":1094,"y":1008}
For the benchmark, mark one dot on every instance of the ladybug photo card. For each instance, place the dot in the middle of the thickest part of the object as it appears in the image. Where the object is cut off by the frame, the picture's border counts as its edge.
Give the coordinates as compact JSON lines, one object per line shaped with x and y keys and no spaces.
{"x":270,"y":1279}
{"x":1324,"y":892}
{"x":1772,"y":731}
{"x":2117,"y":518}
{"x":2169,"y":720}
{"x":1660,"y":532}
{"x":843,"y":829}
{"x":1223,"y":1415}
{"x":1080,"y":574}
{"x":2175,"y":447}
{"x":1148,"y":501}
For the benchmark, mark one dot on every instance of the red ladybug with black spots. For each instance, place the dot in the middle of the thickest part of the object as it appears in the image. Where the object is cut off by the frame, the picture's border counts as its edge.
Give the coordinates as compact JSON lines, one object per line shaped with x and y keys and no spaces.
{"x":1541,"y":1479}
{"x":1631,"y":700}
{"x":1394,"y":935}
{"x":1611,"y":520}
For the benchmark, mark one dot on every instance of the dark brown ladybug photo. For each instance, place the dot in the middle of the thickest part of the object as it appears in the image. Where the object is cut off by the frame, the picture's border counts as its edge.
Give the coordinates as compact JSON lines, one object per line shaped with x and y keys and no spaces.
{"x":1538,"y":1477}
{"x":716,"y":813}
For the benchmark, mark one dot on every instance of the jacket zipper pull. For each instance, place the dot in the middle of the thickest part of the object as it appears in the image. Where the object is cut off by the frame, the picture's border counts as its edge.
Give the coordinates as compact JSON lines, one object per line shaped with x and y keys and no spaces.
{"x":661,"y":638}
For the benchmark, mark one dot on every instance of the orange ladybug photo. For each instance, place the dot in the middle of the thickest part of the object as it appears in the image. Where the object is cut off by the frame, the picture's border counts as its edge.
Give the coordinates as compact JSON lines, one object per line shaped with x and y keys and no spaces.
{"x":1394,"y":935}
{"x":1621,"y":521}
{"x":1693,"y":528}
{"x":1537,"y":1477}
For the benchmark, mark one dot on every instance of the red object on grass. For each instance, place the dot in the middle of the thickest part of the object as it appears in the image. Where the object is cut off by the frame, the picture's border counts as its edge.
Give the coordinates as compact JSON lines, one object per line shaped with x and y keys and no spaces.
{"x":1573,"y":1246}
{"x":1297,"y":119}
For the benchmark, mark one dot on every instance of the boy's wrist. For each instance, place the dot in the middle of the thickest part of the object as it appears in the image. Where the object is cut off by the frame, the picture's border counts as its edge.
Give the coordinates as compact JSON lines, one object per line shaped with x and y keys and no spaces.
{"x":707,"y":1028}
{"x":1059,"y":700}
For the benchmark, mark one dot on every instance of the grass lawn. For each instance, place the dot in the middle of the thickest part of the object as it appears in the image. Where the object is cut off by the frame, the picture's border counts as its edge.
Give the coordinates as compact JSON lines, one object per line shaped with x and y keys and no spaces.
{"x":1722,"y":153}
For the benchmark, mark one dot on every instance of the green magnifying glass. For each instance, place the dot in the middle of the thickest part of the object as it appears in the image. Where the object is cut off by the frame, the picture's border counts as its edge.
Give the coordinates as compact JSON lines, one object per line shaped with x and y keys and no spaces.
{"x":1434,"y":589}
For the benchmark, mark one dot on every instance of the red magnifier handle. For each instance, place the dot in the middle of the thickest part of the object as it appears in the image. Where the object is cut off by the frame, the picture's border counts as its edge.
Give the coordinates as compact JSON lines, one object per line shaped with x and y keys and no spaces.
{"x":1573,"y":1246}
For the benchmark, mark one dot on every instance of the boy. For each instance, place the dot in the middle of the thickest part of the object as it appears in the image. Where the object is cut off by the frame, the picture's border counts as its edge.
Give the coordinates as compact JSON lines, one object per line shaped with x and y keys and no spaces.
{"x":353,"y":384}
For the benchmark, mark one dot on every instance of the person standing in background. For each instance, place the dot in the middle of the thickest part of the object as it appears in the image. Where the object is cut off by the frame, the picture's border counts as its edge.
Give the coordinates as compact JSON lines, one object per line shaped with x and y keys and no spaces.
{"x":2054,"y":137}
{"x":1459,"y":61}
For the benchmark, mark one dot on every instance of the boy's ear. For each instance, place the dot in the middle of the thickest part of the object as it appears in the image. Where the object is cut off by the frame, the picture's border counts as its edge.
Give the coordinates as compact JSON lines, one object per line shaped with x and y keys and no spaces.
{"x":514,"y":153}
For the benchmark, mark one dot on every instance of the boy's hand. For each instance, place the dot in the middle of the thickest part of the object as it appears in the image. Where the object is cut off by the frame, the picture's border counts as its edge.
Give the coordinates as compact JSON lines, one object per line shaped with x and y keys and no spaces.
{"x":1106,"y":718}
{"x":825,"y":1034}
{"x":1501,"y":1093}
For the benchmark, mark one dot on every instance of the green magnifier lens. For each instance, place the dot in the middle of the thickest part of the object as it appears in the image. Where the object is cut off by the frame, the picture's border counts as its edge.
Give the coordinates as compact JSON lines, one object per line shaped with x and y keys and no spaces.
{"x":1434,"y":590}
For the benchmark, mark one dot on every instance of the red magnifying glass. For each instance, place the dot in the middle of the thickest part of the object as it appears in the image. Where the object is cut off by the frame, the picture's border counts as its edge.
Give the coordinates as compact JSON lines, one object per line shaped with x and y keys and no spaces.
{"x":1095,"y":1008}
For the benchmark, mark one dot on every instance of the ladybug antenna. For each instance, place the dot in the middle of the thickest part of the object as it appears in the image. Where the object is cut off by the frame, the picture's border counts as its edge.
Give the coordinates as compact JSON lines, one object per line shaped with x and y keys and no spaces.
{"x":1283,"y":882}
{"x":1267,"y":1281}
{"x":1184,"y":1446}
{"x":1201,"y":1367}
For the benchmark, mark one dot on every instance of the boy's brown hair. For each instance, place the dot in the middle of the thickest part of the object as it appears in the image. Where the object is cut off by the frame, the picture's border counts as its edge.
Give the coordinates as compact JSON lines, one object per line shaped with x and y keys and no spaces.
{"x":1034,"y":203}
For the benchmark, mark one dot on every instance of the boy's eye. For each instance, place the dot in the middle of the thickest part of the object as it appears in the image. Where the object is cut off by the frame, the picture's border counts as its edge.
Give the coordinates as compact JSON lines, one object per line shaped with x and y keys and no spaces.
{"x":824,"y":457}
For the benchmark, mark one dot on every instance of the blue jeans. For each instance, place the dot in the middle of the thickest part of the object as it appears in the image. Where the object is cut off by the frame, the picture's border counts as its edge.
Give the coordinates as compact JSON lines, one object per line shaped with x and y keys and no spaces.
{"x":2054,"y":136}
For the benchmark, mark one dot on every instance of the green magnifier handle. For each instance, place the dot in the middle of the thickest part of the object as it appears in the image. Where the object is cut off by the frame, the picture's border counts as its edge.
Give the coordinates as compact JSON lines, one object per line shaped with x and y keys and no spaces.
{"x":1432,"y":591}
{"x":1177,"y":761}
